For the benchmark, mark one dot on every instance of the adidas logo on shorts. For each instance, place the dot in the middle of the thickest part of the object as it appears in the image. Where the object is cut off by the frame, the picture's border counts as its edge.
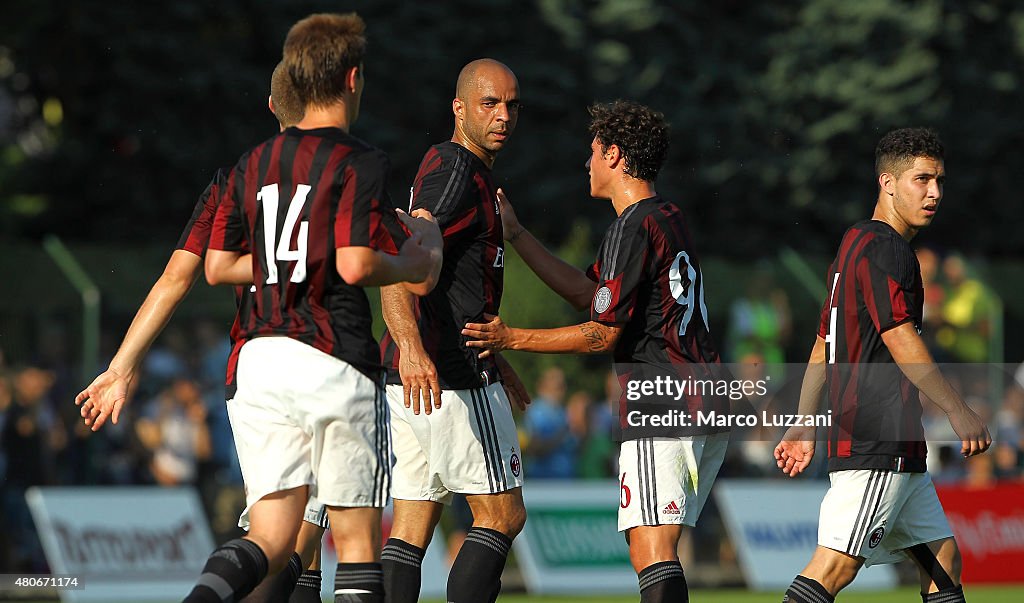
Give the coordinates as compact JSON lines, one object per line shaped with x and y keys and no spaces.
{"x":671,"y":509}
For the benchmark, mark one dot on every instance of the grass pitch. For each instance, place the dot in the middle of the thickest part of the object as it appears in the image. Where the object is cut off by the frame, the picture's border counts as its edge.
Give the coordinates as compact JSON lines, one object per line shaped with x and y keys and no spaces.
{"x":975,"y":594}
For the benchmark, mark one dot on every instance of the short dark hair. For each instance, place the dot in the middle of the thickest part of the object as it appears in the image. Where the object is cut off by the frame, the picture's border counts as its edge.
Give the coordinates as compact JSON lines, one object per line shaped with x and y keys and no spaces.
{"x":287,"y":107}
{"x":640,"y":132}
{"x":318,"y":53}
{"x":898,"y":149}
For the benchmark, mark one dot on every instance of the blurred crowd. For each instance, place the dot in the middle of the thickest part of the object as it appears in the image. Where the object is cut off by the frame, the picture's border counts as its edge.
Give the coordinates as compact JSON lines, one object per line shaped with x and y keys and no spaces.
{"x":176,"y":431}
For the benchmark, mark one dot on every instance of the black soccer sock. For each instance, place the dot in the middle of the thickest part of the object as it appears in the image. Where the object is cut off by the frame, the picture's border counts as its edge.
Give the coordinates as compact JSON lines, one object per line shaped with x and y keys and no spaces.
{"x":476,"y":573}
{"x":401,"y":562}
{"x":278,"y":587}
{"x":231,"y":572}
{"x":307,"y":589}
{"x":494,"y":595}
{"x":805,"y":590}
{"x":358,"y":583}
{"x":946,"y":595}
{"x":663,"y":582}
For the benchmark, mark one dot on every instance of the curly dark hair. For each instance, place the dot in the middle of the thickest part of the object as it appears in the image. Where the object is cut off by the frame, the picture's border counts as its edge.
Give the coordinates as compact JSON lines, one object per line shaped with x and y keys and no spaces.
{"x":898,"y":149}
{"x":640,"y":132}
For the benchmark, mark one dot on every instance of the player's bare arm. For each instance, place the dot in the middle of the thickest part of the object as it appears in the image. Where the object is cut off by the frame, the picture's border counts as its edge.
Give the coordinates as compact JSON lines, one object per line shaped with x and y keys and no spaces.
{"x":796,"y":450}
{"x":418,"y":373}
{"x":909,"y":352}
{"x":563,"y":278}
{"x":418,"y":262}
{"x":108,"y":393}
{"x":586,"y":338}
{"x":228,"y":267}
{"x":513,"y":385}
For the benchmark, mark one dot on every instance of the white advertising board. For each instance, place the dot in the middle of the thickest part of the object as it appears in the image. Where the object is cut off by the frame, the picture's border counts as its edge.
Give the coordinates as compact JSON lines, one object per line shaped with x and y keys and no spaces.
{"x":571,"y":543}
{"x":127,"y":544}
{"x":774,"y":527}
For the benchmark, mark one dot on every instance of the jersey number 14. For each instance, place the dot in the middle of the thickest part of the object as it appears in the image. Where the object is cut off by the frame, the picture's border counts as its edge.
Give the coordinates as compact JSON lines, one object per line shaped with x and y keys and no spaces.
{"x":281,"y":251}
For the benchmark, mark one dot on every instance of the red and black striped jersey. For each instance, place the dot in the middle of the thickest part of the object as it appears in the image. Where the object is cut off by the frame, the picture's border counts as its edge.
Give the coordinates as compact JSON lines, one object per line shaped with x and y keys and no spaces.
{"x":196,"y":236}
{"x":649,"y":282}
{"x":293,"y":201}
{"x":874,"y":285}
{"x":457,"y":187}
{"x":195,"y":239}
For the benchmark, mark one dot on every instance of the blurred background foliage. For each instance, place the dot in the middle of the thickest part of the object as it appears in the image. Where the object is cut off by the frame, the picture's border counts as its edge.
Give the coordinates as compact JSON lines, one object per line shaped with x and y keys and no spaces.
{"x":113,"y":116}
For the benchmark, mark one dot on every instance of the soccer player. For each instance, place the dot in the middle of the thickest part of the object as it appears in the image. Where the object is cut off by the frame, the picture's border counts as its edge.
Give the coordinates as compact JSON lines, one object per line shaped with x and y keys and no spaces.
{"x":308,"y":414}
{"x":465,"y":440}
{"x":104,"y":398}
{"x":646,"y":297}
{"x":870,"y":359}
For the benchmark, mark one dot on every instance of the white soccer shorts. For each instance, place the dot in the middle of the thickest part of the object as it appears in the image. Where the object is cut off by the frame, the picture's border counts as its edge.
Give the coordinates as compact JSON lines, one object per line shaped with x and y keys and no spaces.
{"x":315,"y":513}
{"x":468,"y":446}
{"x":876,"y":513}
{"x":666,"y":481}
{"x":303,"y":417}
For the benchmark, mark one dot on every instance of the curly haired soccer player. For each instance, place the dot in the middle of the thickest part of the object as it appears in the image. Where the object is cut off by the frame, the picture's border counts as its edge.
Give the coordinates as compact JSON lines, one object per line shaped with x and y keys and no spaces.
{"x":871,"y":362}
{"x":646,"y":297}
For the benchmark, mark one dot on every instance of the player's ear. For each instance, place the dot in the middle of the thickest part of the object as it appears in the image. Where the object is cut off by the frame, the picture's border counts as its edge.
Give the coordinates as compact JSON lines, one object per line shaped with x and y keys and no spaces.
{"x":459,"y":108}
{"x":270,"y":104}
{"x":887,"y":183}
{"x":352,"y":77}
{"x":613,"y":155}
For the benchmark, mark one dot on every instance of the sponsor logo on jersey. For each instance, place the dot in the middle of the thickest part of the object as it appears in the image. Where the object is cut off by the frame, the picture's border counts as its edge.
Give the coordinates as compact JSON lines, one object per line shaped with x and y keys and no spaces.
{"x":602,"y":300}
{"x":671,"y":509}
{"x":876,"y":537}
{"x":515,"y":464}
{"x":499,"y":258}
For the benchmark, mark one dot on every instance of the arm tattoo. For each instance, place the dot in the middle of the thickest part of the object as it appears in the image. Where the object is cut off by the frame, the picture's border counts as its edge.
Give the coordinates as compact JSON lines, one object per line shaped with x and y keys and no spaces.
{"x":596,"y":336}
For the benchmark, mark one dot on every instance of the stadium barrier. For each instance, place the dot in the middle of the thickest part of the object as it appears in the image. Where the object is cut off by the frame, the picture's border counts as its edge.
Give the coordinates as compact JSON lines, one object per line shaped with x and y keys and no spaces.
{"x":571,"y":543}
{"x":989,"y":527}
{"x":122,"y":544}
{"x":773,"y":525}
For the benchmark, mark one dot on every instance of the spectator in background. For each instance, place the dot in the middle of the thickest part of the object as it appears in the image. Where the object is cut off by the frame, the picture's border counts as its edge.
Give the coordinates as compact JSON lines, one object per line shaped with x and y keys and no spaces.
{"x":760,"y":323}
{"x":6,"y":397}
{"x":550,"y":445}
{"x":965,"y":314}
{"x":32,"y":434}
{"x":599,"y":456}
{"x":174,"y":429}
{"x":934,"y":296}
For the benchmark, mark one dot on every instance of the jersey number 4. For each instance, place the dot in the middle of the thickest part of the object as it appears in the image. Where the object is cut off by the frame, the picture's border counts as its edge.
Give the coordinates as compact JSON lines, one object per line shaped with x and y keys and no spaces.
{"x":281,"y":251}
{"x":833,"y":316}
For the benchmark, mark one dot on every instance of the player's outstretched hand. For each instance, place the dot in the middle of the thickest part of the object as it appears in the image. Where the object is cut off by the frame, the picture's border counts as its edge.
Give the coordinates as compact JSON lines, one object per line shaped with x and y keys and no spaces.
{"x":509,"y":221}
{"x":795,"y":451}
{"x":493,"y":336}
{"x":419,"y":381}
{"x":518,"y":397}
{"x":971,"y":430}
{"x":103,"y":399}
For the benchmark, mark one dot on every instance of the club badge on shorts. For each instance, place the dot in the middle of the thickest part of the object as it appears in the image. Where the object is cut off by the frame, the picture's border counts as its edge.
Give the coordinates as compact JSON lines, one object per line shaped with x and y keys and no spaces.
{"x":876,"y":537}
{"x":515,"y":464}
{"x":602,"y":300}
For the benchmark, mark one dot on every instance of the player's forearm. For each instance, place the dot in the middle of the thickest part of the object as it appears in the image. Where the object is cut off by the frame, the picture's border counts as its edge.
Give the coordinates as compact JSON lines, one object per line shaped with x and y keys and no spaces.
{"x":912,"y":356}
{"x":563,"y":278}
{"x":366,"y":267}
{"x":161,"y":302}
{"x":813,"y":385}
{"x":399,"y":308}
{"x":228,"y":268}
{"x":586,"y":338}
